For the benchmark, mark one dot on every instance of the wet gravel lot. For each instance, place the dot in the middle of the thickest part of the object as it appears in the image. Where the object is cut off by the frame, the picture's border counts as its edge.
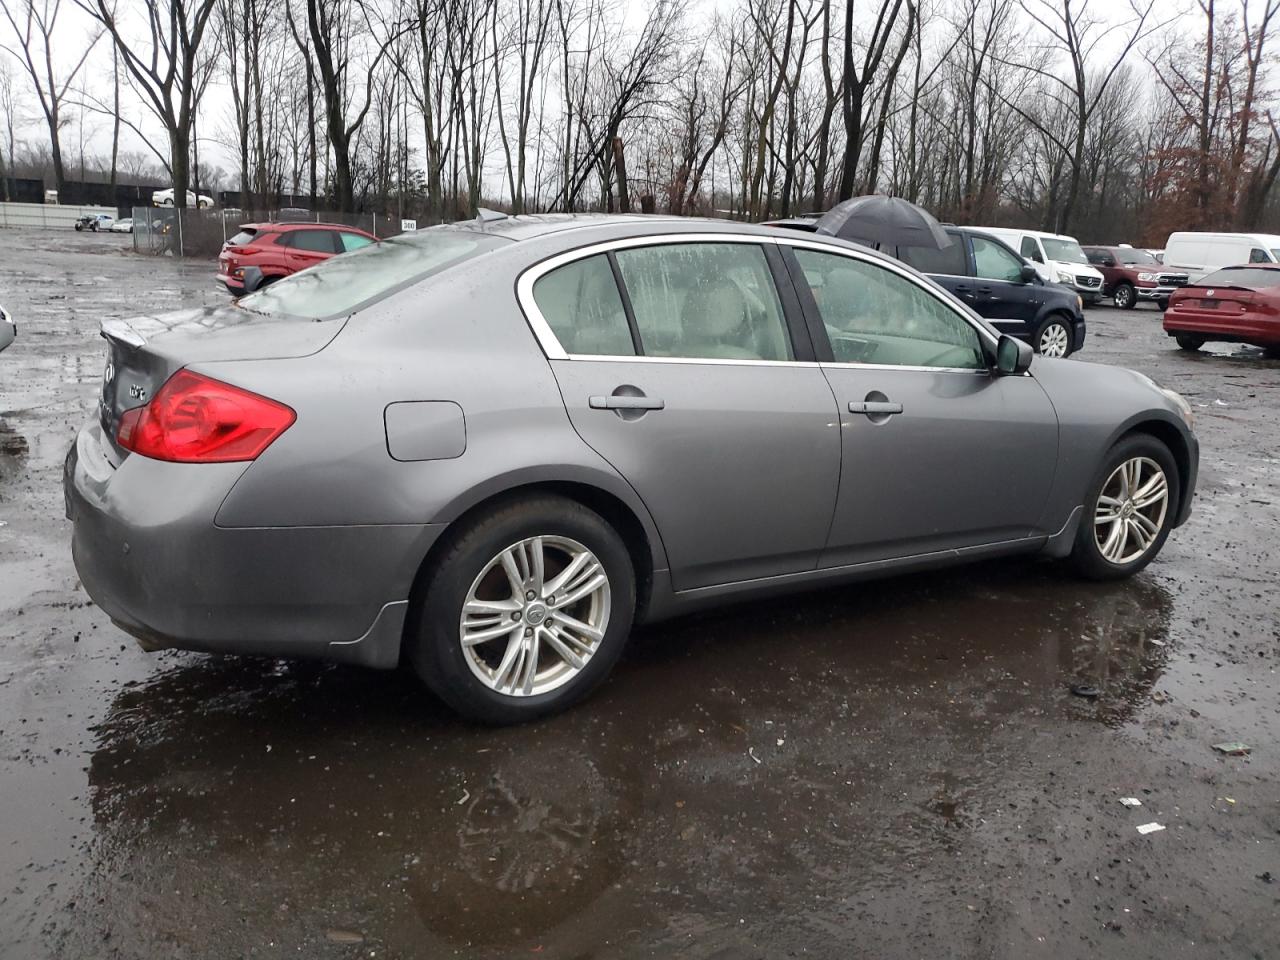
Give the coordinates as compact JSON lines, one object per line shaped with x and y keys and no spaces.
{"x":895,"y":769}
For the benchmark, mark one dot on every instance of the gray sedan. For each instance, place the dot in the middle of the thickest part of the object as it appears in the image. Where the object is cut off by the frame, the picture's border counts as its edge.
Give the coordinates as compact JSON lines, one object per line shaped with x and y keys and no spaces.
{"x":492,"y":448}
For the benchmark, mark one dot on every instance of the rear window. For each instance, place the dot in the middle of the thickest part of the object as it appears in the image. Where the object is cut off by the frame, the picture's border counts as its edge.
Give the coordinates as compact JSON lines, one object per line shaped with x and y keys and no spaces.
{"x":343,"y":285}
{"x":244,"y":237}
{"x":1251,"y":278}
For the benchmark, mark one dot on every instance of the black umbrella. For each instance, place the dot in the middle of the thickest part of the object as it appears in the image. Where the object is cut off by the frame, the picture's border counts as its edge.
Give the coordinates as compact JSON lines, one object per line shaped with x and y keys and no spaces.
{"x":883,"y":221}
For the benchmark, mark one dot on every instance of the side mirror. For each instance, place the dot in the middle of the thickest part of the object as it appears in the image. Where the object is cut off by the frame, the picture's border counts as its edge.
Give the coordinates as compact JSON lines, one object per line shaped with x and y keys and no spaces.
{"x":8,"y":329}
{"x":1029,"y":273}
{"x":252,"y":277}
{"x":1013,"y":356}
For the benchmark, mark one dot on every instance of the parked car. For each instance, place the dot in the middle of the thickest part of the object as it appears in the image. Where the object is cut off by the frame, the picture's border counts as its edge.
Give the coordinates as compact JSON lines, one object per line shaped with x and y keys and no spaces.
{"x":94,"y":222}
{"x":1056,"y":257}
{"x":165,"y":198}
{"x":1130,"y":275}
{"x":986,"y":276}
{"x":123,"y":225}
{"x":496,"y":446}
{"x":1198,"y":254}
{"x":8,"y":329}
{"x":281,"y":249}
{"x":1233,"y":305}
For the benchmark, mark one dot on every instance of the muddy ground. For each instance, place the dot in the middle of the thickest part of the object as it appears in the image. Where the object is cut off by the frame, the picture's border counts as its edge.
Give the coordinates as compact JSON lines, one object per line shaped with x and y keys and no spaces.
{"x":889,"y":770}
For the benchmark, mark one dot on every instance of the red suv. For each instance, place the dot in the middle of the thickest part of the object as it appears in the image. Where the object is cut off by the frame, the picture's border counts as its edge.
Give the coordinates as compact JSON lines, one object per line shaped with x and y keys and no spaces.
{"x":1130,"y":275}
{"x":281,"y":249}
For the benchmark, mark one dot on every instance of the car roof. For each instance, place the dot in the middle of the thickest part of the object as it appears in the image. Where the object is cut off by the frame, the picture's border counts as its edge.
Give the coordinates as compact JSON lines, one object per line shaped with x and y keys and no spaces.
{"x":287,"y":225}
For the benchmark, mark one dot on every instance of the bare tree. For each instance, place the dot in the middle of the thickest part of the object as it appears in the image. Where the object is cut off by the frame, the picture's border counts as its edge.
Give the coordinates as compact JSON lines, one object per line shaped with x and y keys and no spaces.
{"x":33,"y":23}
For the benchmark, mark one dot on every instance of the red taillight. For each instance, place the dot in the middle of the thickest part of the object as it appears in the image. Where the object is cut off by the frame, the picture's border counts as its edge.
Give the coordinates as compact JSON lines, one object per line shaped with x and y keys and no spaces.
{"x":193,"y":419}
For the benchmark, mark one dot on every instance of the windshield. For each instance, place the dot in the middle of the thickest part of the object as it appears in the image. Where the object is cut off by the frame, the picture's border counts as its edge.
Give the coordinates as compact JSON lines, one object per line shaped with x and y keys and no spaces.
{"x":347,"y":283}
{"x":1250,"y":278}
{"x":1067,"y":251}
{"x":1136,"y":257}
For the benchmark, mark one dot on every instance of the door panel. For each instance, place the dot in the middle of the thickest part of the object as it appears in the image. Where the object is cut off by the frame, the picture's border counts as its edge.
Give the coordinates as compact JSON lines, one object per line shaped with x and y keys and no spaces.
{"x":969,"y":460}
{"x":738,"y":466}
{"x":999,"y":291}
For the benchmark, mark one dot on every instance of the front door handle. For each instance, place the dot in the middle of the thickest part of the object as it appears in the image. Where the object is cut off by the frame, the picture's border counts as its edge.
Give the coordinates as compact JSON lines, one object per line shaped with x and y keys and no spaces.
{"x":874,"y":407}
{"x":616,"y":402}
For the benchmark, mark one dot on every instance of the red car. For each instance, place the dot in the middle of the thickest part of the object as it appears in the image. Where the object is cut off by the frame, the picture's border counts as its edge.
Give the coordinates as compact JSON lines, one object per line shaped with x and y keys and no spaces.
{"x":1233,"y":305}
{"x":281,"y":249}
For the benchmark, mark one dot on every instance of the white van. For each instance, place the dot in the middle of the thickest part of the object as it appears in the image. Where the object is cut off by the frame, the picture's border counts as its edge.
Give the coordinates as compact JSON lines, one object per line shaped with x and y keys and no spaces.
{"x":1201,"y":253}
{"x":1057,"y":258}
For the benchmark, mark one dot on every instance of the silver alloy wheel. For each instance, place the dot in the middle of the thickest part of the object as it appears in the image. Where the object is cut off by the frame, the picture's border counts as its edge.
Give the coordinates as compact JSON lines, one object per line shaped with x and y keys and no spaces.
{"x":1054,"y":340}
{"x":1131,"y":510}
{"x":1123,"y":297}
{"x":535,"y":616}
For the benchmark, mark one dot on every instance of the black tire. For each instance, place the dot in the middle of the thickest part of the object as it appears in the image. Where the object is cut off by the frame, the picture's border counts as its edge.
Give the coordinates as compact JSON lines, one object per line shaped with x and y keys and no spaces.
{"x":434,"y":646}
{"x":1124,"y":296}
{"x":1271,"y":353}
{"x":79,"y":227}
{"x":1163,"y":305}
{"x":1086,"y":556}
{"x":1189,"y":341}
{"x":1054,"y":319}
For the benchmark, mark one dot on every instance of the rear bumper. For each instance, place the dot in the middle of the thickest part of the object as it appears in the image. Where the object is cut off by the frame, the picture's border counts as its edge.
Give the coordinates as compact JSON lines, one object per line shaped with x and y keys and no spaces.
{"x":1236,"y":328}
{"x":234,"y":284}
{"x":148,"y":552}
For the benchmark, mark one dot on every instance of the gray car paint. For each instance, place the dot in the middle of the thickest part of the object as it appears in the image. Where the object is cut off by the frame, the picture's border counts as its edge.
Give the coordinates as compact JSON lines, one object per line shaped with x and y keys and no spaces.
{"x":313,"y":549}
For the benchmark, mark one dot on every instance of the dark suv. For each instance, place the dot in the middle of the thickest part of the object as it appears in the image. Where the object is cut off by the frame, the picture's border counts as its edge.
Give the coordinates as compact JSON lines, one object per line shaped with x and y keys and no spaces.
{"x":989,"y":278}
{"x":1130,"y":275}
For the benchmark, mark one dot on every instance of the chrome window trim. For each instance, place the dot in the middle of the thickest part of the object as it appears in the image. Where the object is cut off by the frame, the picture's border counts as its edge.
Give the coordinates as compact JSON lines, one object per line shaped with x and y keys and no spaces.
{"x":550,"y":343}
{"x":554,"y":350}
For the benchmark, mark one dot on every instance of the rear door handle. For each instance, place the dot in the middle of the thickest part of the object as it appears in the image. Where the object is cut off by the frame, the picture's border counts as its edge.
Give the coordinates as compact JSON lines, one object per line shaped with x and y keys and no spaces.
{"x":874,"y":406}
{"x":626,"y":403}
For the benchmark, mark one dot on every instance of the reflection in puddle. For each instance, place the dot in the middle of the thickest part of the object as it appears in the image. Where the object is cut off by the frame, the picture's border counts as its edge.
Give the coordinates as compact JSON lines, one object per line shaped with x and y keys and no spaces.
{"x":749,"y":760}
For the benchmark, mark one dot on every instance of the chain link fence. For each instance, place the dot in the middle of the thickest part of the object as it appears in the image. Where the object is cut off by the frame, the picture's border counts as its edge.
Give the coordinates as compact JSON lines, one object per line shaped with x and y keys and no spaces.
{"x":170,"y":231}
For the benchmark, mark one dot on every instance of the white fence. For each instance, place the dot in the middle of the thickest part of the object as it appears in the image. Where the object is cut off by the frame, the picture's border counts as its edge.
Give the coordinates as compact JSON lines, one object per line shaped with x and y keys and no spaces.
{"x":46,"y":214}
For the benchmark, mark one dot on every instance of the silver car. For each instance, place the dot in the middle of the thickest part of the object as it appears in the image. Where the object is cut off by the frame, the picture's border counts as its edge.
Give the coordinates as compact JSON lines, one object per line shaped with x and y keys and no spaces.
{"x":492,"y":448}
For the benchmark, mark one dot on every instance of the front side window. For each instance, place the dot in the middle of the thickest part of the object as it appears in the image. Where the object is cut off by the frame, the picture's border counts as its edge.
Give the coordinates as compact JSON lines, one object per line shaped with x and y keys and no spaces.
{"x":1030,"y":250}
{"x":712,"y":301}
{"x":582,"y":306}
{"x":949,"y":261}
{"x":873,"y":315}
{"x":993,"y":262}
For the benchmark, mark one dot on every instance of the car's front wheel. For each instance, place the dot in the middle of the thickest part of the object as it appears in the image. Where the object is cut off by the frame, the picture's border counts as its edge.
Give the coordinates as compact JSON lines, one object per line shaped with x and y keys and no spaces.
{"x":1129,"y":510}
{"x":1054,"y":338}
{"x":1124,"y":297}
{"x":526,"y":611}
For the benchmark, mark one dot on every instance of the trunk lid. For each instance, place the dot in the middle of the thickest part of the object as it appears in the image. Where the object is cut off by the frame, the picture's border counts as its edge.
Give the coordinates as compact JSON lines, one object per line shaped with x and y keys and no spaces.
{"x":143,"y":352}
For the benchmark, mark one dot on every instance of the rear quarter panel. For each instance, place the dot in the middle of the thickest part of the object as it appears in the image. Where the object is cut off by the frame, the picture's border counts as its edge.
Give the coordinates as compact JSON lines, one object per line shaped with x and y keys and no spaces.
{"x":457,"y":337}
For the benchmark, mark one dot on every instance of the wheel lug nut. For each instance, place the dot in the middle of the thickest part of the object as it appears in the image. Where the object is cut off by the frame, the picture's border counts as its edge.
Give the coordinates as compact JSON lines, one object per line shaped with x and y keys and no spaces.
{"x":530,"y":595}
{"x":528,"y":631}
{"x":515,"y":615}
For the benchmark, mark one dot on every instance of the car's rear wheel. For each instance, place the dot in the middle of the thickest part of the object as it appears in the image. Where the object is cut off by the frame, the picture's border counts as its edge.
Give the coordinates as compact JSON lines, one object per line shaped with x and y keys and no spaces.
{"x":1054,"y":338}
{"x":1124,"y":297}
{"x":525,"y":612}
{"x":1189,"y":342}
{"x":1129,"y":510}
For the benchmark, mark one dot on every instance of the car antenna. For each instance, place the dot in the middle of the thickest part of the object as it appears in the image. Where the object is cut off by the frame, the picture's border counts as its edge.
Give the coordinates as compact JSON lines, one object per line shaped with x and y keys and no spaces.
{"x":485,"y":215}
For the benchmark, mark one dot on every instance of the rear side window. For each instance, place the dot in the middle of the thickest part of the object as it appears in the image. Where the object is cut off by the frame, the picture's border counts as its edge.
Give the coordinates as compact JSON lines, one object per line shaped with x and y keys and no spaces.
{"x":709,"y":301}
{"x":948,"y":261}
{"x":1258,"y":255}
{"x":316,"y":241}
{"x":993,"y":262}
{"x":581,"y":304}
{"x":353,"y":241}
{"x":245,"y":237}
